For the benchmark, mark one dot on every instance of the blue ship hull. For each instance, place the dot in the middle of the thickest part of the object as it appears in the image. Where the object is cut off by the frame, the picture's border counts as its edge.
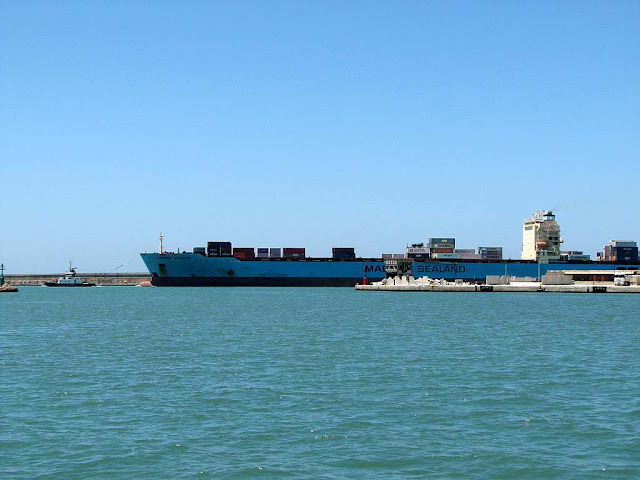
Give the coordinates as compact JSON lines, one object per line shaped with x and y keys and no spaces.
{"x":196,"y":270}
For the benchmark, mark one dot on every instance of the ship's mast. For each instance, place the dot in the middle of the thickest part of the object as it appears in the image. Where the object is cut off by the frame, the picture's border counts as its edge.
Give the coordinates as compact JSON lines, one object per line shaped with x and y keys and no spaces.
{"x":1,"y":274}
{"x":161,"y":248}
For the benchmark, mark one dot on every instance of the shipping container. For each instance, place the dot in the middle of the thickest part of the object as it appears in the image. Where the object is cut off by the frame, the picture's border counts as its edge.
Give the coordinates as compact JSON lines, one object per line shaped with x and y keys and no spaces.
{"x":200,"y":250}
{"x":575,"y":257}
{"x":244,"y":253}
{"x":623,"y":243}
{"x":440,"y":241}
{"x":398,"y":255}
{"x":387,"y":256}
{"x":490,"y":250}
{"x":417,"y":250}
{"x":490,"y":253}
{"x":344,"y":256}
{"x":624,"y":254}
{"x":447,"y":256}
{"x":219,"y":249}
{"x":625,"y":258}
{"x":625,"y":250}
{"x":290,"y":252}
{"x":263,"y":253}
{"x":442,"y":250}
{"x":275,"y":252}
{"x":467,"y":253}
{"x":343,"y":250}
{"x":343,"y":253}
{"x":442,"y":245}
{"x":572,"y":252}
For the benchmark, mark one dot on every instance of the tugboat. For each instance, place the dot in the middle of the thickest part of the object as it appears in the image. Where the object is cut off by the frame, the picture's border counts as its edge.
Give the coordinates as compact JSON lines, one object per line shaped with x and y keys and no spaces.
{"x":5,"y":287}
{"x":70,"y":279}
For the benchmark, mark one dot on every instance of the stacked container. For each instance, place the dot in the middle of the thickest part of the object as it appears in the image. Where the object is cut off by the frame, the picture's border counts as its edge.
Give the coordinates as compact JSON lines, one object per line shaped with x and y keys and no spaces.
{"x":441,"y":245}
{"x":490,"y":253}
{"x":623,"y":251}
{"x":218,"y":249}
{"x":343,"y":253}
{"x":263,"y":253}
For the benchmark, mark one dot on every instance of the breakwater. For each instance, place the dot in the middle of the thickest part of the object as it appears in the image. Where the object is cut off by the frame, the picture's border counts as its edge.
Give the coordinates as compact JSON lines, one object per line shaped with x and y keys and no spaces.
{"x":586,"y":288}
{"x":122,"y":279}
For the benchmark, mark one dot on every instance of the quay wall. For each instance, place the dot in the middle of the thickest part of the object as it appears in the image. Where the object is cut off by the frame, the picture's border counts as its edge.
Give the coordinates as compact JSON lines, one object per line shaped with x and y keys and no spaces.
{"x":584,"y":288}
{"x":122,"y":279}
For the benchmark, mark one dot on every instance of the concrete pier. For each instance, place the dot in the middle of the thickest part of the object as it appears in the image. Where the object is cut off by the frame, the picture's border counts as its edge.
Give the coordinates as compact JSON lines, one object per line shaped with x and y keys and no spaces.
{"x":113,"y":279}
{"x":537,"y":287}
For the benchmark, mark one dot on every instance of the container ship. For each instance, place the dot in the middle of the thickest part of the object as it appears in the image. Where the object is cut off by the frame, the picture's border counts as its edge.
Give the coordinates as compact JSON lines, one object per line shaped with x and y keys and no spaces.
{"x":220,"y":264}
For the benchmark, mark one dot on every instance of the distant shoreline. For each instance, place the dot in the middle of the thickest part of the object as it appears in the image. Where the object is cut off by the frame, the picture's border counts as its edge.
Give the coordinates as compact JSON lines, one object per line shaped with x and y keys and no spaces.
{"x":26,"y":279}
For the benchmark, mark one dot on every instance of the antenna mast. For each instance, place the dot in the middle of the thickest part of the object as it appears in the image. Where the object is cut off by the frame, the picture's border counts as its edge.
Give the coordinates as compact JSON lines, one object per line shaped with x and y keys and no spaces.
{"x":161,"y":249}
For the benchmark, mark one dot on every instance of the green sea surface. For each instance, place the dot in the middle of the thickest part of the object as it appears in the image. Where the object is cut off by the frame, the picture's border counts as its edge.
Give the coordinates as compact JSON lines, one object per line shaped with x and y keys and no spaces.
{"x":319,"y":383}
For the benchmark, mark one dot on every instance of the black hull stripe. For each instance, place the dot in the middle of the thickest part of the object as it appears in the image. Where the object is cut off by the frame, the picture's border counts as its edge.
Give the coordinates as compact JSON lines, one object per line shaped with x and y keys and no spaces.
{"x":256,"y":281}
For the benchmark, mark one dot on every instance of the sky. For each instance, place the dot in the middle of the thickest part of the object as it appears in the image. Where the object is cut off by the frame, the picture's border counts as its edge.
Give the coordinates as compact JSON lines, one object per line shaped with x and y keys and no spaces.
{"x":313,"y":124}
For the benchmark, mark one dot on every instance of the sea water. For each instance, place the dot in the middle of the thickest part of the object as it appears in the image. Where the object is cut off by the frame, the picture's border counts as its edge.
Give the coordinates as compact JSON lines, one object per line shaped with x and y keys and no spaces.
{"x":181,"y":383}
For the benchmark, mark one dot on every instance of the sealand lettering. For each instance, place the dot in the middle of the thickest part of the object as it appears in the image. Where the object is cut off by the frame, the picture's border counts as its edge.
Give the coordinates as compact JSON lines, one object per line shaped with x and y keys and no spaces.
{"x":441,"y":268}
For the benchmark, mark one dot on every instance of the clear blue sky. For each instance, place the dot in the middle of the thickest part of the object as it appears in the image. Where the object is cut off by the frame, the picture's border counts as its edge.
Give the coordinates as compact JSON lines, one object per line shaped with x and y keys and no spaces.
{"x":312,"y":124}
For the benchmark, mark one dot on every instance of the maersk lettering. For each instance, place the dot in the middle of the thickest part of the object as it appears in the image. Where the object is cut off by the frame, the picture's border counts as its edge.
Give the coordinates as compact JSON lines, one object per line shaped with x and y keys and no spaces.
{"x":441,"y":268}
{"x":373,"y":268}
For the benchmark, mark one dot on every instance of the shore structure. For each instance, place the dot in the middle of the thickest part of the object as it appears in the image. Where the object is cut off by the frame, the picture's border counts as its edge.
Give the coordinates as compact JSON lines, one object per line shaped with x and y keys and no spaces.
{"x":5,"y":287}
{"x":399,"y":278}
{"x":100,"y":279}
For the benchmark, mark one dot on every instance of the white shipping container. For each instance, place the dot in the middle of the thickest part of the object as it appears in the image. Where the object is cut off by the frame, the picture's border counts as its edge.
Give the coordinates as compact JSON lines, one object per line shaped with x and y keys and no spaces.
{"x":417,"y":250}
{"x":398,"y":255}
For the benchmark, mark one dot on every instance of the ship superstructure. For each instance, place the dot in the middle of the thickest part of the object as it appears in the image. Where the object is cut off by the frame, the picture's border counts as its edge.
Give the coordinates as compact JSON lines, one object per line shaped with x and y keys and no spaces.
{"x":541,"y":237}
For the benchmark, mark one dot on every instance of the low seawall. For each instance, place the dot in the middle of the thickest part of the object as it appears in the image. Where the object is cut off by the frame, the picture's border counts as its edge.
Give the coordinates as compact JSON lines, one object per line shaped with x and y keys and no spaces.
{"x":591,"y":288}
{"x":121,"y":279}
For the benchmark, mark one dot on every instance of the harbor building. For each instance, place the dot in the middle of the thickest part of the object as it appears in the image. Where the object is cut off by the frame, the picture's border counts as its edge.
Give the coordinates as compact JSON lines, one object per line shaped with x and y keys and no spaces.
{"x":541,"y":237}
